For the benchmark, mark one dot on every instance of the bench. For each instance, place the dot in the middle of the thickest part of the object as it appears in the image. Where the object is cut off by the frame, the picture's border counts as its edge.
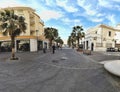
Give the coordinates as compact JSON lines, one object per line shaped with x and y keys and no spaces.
{"x":87,"y":52}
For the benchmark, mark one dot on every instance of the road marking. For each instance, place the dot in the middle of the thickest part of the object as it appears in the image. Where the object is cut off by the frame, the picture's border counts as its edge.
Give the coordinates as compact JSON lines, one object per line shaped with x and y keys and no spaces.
{"x":70,"y":68}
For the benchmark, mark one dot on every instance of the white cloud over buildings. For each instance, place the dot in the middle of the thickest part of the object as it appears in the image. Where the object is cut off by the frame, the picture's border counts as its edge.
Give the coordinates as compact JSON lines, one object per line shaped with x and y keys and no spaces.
{"x":66,"y":7}
{"x":9,"y":3}
{"x":50,"y":14}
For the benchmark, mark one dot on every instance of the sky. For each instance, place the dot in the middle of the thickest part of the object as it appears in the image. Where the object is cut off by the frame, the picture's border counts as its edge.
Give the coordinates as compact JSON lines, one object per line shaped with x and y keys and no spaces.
{"x":65,"y":14}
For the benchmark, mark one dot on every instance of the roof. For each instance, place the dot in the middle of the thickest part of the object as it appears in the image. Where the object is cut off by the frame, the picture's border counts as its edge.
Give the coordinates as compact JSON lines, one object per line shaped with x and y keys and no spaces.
{"x":101,"y":26}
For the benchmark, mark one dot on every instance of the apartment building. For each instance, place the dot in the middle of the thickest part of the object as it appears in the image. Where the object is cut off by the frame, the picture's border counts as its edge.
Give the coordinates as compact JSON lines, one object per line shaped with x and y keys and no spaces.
{"x":33,"y":39}
{"x":100,"y":37}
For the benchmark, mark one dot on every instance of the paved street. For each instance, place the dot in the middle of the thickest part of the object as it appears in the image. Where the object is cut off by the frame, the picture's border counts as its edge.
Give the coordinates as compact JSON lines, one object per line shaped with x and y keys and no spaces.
{"x":102,"y":56}
{"x":64,"y":71}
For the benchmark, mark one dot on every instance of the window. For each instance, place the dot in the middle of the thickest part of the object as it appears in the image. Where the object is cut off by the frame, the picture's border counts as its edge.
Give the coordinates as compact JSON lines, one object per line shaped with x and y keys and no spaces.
{"x":109,"y":34}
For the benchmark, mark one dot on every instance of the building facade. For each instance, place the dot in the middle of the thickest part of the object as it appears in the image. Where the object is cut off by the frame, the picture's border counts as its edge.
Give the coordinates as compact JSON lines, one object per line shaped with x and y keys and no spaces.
{"x":100,"y":37}
{"x":33,"y":39}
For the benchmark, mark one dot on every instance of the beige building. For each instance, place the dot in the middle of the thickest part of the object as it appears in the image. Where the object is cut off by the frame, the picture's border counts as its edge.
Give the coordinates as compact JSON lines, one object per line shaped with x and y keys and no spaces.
{"x":100,"y":37}
{"x":33,"y":39}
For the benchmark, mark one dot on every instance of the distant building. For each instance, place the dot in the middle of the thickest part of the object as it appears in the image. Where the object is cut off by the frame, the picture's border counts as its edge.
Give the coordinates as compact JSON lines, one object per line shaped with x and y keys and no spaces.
{"x":101,"y":37}
{"x":33,"y":39}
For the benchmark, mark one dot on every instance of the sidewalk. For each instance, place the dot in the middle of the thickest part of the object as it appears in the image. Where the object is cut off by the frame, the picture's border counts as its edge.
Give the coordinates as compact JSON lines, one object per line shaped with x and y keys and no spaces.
{"x":111,"y":61}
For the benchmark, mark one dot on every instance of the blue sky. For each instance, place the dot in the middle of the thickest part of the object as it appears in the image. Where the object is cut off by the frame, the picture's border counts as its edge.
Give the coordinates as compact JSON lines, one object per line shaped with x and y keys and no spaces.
{"x":64,"y":14}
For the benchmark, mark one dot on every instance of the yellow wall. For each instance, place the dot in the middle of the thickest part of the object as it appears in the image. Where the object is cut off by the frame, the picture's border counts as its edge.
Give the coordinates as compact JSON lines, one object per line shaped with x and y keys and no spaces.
{"x":32,"y":20}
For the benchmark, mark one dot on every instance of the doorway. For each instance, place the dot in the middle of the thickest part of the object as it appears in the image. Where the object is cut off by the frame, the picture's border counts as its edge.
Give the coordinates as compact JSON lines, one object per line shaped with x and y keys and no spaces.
{"x":92,"y":46}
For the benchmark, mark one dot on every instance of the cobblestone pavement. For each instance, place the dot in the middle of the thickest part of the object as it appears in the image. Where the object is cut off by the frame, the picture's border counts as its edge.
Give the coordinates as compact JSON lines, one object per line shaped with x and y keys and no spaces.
{"x":64,"y":71}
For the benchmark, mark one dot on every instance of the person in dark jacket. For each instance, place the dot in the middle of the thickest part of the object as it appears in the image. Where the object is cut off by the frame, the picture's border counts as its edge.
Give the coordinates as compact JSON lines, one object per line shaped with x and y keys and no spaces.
{"x":53,"y":48}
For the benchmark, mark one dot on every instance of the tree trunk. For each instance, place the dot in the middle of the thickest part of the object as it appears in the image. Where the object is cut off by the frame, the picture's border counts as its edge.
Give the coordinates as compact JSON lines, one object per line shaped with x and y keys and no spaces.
{"x":13,"y":53}
{"x":50,"y":43}
{"x":78,"y":42}
{"x":13,"y":48}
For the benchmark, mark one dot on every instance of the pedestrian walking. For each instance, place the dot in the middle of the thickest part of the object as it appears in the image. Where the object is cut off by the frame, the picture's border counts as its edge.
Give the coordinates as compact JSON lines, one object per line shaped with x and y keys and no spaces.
{"x":53,"y":48}
{"x":44,"y":50}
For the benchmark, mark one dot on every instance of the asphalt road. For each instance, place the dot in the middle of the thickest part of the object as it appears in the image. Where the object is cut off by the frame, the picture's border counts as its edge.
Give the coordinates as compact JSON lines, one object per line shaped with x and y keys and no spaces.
{"x":64,"y":71}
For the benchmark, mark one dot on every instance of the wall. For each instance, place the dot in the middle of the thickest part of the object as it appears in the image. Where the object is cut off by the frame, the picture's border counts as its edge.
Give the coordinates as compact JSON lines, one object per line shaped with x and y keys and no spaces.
{"x":33,"y":45}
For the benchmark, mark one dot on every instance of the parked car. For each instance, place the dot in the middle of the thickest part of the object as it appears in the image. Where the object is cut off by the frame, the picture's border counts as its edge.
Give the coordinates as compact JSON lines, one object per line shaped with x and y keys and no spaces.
{"x":25,"y":47}
{"x":111,"y":49}
{"x":118,"y":49}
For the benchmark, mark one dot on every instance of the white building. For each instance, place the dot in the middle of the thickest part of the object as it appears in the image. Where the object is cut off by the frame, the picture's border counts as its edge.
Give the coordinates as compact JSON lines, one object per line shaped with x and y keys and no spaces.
{"x":101,"y":37}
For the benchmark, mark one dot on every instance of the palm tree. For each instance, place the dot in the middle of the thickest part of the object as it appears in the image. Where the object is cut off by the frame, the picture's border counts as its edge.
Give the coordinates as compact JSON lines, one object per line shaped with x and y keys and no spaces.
{"x":13,"y":25}
{"x":69,"y":41}
{"x":77,"y":30}
{"x":51,"y":34}
{"x":82,"y":35}
{"x":73,"y":39}
{"x":59,"y":40}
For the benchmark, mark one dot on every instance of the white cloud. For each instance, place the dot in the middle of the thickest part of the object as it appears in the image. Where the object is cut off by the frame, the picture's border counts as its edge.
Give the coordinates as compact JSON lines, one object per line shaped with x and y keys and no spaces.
{"x":103,"y":3}
{"x":71,"y":22}
{"x":112,"y":20}
{"x":77,"y":22}
{"x":66,"y":20}
{"x":116,"y":1}
{"x":100,"y":14}
{"x":49,"y":14}
{"x":38,"y":5}
{"x":50,"y":2}
{"x":110,"y":4}
{"x":89,"y":9}
{"x":64,"y":5}
{"x":97,"y":19}
{"x":9,"y":3}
